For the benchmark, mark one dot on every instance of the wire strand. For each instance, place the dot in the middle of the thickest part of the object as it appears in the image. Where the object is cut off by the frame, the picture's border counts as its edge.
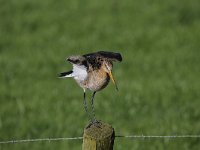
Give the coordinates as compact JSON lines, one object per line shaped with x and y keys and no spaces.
{"x":80,"y":138}
{"x":40,"y":140}
{"x":158,"y":136}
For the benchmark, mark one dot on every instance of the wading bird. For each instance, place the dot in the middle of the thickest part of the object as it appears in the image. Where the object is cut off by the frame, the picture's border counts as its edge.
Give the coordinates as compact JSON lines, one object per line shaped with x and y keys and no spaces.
{"x":92,"y":72}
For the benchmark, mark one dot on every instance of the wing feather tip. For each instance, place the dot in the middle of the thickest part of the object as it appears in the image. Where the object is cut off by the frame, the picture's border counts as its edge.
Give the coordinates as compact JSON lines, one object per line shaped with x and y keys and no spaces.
{"x":65,"y":74}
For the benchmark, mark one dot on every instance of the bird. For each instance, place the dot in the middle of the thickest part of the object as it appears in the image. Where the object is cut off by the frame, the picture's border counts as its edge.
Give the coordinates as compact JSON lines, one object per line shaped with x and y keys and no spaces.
{"x":93,"y":72}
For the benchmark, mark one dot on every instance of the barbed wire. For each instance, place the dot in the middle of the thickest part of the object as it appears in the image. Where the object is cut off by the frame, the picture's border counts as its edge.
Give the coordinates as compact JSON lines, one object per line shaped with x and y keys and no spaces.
{"x":40,"y":140}
{"x":158,"y":136}
{"x":117,"y":136}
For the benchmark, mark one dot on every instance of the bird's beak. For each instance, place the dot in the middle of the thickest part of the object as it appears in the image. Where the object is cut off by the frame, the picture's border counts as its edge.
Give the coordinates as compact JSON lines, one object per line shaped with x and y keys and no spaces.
{"x":113,"y":80}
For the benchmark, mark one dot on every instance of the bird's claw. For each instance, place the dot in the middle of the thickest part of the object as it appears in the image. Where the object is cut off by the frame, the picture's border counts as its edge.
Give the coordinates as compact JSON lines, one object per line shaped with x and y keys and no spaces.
{"x":95,"y":123}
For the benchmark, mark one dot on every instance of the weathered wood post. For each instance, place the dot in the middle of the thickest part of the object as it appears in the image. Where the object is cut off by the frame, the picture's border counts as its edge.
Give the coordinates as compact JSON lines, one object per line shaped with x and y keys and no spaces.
{"x":98,"y":137}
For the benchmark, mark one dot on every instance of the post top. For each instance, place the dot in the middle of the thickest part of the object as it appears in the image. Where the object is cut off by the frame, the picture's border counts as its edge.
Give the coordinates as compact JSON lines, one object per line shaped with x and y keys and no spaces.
{"x":99,"y":131}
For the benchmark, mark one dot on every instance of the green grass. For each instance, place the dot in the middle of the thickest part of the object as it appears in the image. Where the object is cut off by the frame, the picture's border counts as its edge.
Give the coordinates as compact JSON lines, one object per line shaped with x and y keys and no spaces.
{"x":158,"y":78}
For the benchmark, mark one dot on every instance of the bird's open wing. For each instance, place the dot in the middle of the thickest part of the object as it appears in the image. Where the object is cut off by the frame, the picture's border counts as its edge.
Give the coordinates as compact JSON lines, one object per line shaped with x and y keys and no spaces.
{"x":109,"y":55}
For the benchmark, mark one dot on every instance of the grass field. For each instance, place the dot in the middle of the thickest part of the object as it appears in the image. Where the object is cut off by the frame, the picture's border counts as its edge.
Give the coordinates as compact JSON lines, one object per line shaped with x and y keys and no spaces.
{"x":159,"y":78}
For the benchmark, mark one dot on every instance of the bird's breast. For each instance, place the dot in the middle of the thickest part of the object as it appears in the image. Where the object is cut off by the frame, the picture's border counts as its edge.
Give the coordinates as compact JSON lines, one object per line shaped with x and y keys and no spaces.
{"x":97,"y":80}
{"x":92,"y":79}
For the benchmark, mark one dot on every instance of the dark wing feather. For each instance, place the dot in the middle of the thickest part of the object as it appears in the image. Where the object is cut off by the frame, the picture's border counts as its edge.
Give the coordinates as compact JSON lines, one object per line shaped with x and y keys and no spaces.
{"x":63,"y":74}
{"x":109,"y":55}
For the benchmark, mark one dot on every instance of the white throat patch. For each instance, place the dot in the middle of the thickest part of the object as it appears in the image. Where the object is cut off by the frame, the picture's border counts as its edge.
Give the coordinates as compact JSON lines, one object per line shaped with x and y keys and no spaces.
{"x":79,"y":72}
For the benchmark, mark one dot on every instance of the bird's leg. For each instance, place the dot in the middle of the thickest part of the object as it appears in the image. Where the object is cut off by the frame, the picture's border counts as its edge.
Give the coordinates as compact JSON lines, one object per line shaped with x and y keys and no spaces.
{"x":92,"y":104}
{"x":85,"y":106}
{"x":93,"y":120}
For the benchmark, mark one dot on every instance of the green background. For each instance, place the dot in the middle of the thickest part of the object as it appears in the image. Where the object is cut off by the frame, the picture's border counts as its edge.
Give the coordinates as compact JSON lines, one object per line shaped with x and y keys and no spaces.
{"x":159,"y":85}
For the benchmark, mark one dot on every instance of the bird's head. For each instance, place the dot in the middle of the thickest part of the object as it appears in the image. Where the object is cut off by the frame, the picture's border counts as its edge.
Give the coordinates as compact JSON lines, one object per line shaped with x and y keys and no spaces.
{"x":107,"y":66}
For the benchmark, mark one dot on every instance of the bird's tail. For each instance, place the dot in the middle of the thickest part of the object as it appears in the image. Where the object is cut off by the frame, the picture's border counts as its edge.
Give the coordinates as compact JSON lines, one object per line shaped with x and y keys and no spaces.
{"x":65,"y":74}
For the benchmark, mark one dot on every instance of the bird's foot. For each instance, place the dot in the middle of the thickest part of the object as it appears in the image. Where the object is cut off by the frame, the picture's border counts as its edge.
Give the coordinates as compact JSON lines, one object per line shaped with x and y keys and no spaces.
{"x":95,"y":123}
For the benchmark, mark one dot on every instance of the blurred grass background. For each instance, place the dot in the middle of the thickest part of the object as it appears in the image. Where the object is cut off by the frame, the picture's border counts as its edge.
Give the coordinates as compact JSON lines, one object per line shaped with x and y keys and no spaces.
{"x":158,"y":78}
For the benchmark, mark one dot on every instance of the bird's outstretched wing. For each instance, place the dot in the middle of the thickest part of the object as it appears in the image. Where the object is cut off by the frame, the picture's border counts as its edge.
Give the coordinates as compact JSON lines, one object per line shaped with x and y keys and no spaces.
{"x":109,"y":55}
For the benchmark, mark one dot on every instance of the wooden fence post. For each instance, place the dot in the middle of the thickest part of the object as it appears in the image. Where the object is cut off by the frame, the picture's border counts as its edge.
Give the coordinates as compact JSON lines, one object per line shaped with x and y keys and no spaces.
{"x":98,"y":137}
